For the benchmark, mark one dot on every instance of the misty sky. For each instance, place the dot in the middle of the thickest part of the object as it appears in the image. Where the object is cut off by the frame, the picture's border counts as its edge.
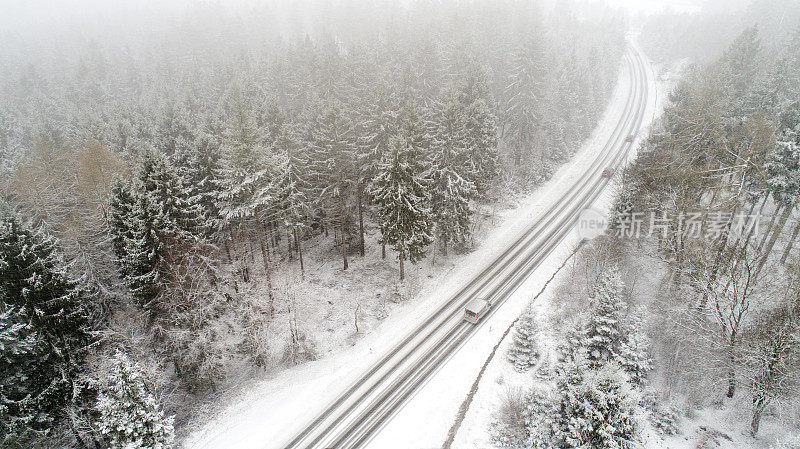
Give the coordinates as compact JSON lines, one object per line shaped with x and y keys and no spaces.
{"x":24,"y":16}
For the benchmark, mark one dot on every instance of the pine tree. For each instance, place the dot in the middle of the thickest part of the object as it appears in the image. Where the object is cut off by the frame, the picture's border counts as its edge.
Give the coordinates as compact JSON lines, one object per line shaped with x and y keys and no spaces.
{"x":246,"y":169}
{"x":44,"y":331}
{"x":155,"y":219}
{"x":144,"y":252}
{"x":199,"y":169}
{"x":450,"y":190}
{"x":378,"y":122}
{"x":524,"y":351}
{"x":175,"y":214}
{"x":400,"y":193}
{"x":480,"y":143}
{"x":740,"y":64}
{"x":291,"y":186}
{"x":599,"y":412}
{"x":522,"y":97}
{"x":332,"y":165}
{"x":122,"y":203}
{"x":634,"y":352}
{"x":603,"y":334}
{"x":130,"y":418}
{"x":783,"y":168}
{"x":174,"y":128}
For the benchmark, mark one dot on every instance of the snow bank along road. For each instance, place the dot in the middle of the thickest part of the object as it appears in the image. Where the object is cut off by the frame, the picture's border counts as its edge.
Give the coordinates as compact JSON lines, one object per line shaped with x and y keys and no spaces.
{"x":362,"y":408}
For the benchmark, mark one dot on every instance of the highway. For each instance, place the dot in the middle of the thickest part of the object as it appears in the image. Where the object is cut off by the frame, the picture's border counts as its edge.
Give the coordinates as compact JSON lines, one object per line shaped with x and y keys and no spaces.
{"x":365,"y":406}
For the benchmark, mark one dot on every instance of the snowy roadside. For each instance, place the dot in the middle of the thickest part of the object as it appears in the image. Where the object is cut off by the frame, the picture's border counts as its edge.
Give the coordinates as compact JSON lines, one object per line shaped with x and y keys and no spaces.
{"x":281,"y":405}
{"x":499,"y":374}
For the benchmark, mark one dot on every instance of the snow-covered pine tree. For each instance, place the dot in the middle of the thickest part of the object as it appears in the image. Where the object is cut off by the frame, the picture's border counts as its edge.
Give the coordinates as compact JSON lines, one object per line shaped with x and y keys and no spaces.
{"x":524,"y":351}
{"x":332,"y":165}
{"x":400,"y":194}
{"x":199,"y":168}
{"x":783,"y":168}
{"x":599,"y":412}
{"x":290,"y":186}
{"x":783,"y":181}
{"x":603,"y":333}
{"x":417,"y":125}
{"x":479,"y":127}
{"x":634,"y":351}
{"x":176,"y":214}
{"x":522,"y":96}
{"x":739,"y":66}
{"x":246,"y":170}
{"x":130,"y":417}
{"x":174,"y":128}
{"x":44,"y":331}
{"x":450,"y":190}
{"x":541,"y":416}
{"x":122,"y":202}
{"x":155,"y":228}
{"x":480,"y":143}
{"x":377,"y":123}
{"x":143,"y":252}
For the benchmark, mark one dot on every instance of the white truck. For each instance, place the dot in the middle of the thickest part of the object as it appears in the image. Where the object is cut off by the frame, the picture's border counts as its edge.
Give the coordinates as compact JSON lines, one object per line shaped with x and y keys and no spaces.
{"x":475,"y":310}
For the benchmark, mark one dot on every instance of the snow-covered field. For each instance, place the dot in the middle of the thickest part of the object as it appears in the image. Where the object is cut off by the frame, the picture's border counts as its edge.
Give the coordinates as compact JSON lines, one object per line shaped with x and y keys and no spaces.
{"x":269,"y":411}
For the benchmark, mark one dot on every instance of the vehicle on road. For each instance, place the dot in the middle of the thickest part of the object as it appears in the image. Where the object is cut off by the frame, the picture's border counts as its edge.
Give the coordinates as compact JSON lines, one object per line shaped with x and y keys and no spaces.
{"x":475,"y":310}
{"x":608,"y":172}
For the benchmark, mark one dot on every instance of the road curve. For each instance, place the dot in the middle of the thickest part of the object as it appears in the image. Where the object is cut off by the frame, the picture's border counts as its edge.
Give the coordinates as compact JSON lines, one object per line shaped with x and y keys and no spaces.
{"x":355,"y":416}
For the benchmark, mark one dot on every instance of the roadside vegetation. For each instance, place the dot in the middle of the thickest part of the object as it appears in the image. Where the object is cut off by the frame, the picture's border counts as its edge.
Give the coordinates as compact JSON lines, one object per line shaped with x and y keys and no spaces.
{"x":685,"y":317}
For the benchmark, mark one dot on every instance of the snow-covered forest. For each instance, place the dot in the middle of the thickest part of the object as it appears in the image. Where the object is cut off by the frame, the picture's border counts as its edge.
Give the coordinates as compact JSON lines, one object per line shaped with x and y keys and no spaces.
{"x":172,"y":190}
{"x":680,"y":327}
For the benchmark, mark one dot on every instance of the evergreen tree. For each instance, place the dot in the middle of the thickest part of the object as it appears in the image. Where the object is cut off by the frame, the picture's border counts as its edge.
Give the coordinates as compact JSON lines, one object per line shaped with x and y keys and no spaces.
{"x":246,"y":168}
{"x":122,"y":204}
{"x":173,"y":213}
{"x":522,"y":97}
{"x":291,"y":186}
{"x":44,"y":331}
{"x":740,"y":66}
{"x":130,"y":418}
{"x":332,"y":165}
{"x":599,"y":412}
{"x":399,"y":191}
{"x":524,"y":351}
{"x":480,"y":143}
{"x":450,"y":191}
{"x":155,"y":219}
{"x":174,"y":128}
{"x":378,"y":122}
{"x":603,"y":333}
{"x":199,"y":169}
{"x":144,"y":252}
{"x":783,"y":168}
{"x":634,"y":350}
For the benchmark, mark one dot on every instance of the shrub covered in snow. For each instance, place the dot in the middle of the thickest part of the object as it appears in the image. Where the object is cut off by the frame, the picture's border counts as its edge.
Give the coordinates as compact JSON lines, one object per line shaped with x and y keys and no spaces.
{"x":524,"y":419}
{"x":599,"y":411}
{"x":524,"y":351}
{"x":663,"y":418}
{"x":130,"y":418}
{"x":509,"y":425}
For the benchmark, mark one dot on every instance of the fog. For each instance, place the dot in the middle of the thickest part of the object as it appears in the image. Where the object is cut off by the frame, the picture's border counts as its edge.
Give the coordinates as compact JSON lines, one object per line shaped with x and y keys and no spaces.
{"x":200,"y":200}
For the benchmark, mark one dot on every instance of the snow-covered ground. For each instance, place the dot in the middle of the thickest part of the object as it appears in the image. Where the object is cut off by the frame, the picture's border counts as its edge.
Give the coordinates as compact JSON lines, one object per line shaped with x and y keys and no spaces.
{"x":499,"y":374}
{"x":721,"y":426}
{"x":276,"y":408}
